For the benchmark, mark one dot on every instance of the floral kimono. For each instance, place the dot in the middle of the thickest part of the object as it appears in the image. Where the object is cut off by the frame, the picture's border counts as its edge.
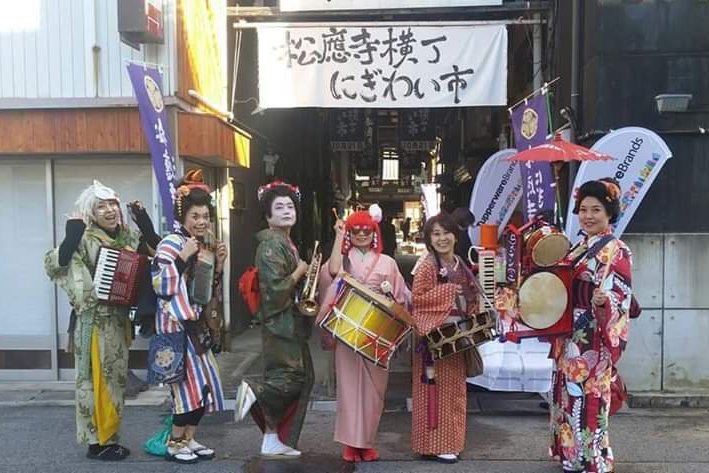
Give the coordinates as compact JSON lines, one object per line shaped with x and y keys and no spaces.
{"x":283,"y":392}
{"x":586,"y":360}
{"x":102,"y":337}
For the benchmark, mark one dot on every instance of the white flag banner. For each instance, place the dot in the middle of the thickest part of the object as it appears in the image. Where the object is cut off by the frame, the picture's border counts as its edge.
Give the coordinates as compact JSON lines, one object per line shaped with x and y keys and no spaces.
{"x":431,"y":200}
{"x":639,"y":156}
{"x":309,"y":5}
{"x":496,"y":192}
{"x":355,"y":65}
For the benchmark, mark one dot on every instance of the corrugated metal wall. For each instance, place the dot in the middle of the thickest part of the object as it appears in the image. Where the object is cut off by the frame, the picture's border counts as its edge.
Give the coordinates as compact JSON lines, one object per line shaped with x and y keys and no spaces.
{"x":668,"y":343}
{"x":71,"y":48}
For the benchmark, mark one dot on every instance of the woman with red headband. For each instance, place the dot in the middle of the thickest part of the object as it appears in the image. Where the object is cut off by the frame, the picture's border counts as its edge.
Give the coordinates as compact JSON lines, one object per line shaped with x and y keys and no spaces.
{"x":586,"y":359}
{"x":361,"y":385}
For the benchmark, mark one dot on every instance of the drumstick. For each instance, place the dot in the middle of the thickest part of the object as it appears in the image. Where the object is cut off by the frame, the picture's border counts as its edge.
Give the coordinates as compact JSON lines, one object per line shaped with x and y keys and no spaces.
{"x":607,"y":269}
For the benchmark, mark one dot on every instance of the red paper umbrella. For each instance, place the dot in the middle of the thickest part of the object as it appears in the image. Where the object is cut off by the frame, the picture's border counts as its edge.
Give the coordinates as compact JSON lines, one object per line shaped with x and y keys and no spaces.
{"x":559,"y":150}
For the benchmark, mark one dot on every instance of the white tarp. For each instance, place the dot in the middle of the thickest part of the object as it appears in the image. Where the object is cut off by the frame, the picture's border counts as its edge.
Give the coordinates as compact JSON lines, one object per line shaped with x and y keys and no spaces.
{"x":355,"y":65}
{"x":309,"y":5}
{"x":497,"y":190}
{"x":523,"y":366}
{"x":639,"y":156}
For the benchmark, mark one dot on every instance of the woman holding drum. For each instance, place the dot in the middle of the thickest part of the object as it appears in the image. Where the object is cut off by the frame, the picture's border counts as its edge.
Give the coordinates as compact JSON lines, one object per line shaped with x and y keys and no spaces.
{"x":361,"y":384}
{"x":586,"y":358}
{"x":444,"y":297}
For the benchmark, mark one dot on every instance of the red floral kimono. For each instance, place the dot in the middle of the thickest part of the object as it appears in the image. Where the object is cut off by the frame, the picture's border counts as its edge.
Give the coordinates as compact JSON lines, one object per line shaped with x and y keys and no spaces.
{"x":586,"y":359}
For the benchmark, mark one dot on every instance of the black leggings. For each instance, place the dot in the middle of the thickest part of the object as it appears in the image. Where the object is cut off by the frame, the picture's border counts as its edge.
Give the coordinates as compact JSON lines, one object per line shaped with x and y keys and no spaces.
{"x":188,"y":418}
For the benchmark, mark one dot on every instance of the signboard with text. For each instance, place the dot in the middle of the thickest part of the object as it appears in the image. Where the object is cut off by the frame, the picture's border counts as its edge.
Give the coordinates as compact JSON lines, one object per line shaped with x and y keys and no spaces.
{"x":310,"y":5}
{"x":389,"y":65}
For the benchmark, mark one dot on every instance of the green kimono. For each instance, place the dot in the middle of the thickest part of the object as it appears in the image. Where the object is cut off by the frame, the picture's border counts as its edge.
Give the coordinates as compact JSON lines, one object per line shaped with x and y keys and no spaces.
{"x":283,"y":393}
{"x":102,"y":337}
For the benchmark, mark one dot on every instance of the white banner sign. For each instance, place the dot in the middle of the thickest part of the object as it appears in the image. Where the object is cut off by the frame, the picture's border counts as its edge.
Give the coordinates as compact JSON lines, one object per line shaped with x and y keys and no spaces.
{"x":388,"y":66}
{"x":309,"y":5}
{"x":639,"y":156}
{"x":497,"y":190}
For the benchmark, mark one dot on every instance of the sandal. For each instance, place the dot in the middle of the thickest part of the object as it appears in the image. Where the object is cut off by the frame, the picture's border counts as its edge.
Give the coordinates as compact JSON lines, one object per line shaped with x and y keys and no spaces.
{"x":178,"y":451}
{"x":202,"y":452}
{"x":110,"y":453}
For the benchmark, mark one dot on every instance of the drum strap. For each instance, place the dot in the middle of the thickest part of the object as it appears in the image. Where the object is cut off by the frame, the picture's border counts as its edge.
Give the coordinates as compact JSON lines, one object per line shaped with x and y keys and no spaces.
{"x":593,"y":251}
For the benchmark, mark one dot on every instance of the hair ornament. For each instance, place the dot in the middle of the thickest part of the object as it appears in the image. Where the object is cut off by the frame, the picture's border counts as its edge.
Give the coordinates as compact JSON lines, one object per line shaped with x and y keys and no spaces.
{"x":375,"y":211}
{"x":193,"y":179}
{"x":271,"y":185}
{"x":612,"y":189}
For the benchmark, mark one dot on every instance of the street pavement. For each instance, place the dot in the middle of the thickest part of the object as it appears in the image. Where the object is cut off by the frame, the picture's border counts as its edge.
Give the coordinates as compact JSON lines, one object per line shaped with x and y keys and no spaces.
{"x":40,"y":438}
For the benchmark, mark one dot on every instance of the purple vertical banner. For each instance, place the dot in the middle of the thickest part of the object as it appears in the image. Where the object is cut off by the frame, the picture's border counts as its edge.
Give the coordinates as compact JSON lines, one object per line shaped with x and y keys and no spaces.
{"x":530,"y":124}
{"x":146,"y":82}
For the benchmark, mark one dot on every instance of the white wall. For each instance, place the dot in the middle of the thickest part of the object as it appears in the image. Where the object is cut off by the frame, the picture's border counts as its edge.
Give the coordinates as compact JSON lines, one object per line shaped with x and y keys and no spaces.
{"x":47,"y":50}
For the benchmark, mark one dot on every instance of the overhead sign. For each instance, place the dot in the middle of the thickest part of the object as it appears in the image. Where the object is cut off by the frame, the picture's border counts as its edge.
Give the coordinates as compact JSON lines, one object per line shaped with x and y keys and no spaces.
{"x":385,"y":66}
{"x":310,"y":5}
{"x":639,"y":156}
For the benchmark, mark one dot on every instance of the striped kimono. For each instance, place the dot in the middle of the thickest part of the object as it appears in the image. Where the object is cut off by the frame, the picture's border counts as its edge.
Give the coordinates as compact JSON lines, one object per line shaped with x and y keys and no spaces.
{"x":201,"y":385}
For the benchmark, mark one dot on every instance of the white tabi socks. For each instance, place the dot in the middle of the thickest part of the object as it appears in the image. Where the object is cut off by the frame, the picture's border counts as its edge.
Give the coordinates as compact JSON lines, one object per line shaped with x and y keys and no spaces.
{"x":245,"y":399}
{"x":272,"y":446}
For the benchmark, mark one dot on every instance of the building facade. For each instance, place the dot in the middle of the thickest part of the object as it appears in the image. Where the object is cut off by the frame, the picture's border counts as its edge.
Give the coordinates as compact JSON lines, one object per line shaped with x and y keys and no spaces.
{"x":67,"y":116}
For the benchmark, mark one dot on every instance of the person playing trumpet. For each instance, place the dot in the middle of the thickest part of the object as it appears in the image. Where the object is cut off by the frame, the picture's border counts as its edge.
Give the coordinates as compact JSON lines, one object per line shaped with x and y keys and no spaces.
{"x":361,"y":385}
{"x":278,"y":402}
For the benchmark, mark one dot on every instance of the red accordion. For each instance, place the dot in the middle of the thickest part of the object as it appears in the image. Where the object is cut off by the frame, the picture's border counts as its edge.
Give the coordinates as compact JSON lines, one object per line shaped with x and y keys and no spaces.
{"x":118,"y":276}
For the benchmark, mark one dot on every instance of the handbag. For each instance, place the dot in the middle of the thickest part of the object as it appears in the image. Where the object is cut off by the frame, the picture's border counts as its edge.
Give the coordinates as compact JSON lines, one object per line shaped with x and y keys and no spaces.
{"x":166,"y":358}
{"x":157,"y":444}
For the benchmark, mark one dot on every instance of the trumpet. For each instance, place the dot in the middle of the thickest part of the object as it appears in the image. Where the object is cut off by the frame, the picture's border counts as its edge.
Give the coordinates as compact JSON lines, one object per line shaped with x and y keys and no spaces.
{"x":308,"y":304}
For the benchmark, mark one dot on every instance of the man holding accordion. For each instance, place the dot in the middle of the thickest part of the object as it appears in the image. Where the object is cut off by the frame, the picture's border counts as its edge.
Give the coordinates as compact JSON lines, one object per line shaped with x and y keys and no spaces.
{"x":102,"y":332}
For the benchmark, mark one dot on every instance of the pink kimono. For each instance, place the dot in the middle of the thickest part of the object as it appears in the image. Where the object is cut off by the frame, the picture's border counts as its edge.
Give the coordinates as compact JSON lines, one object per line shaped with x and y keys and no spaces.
{"x":361,"y":385}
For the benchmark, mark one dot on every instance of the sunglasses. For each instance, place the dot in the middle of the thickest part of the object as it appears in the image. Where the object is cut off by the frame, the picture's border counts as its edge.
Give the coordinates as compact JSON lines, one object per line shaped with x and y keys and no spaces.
{"x":362,"y":230}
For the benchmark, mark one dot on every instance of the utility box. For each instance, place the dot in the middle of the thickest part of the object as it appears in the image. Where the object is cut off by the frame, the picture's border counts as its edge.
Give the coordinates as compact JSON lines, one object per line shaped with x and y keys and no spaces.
{"x":140,"y":22}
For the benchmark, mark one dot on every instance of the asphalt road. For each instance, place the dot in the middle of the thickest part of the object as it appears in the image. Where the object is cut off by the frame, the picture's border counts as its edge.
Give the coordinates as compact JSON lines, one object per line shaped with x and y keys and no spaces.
{"x":41,"y":439}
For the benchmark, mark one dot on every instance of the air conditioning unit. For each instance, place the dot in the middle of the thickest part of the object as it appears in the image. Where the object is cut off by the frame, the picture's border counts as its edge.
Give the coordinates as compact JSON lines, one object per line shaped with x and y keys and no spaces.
{"x":141,"y":22}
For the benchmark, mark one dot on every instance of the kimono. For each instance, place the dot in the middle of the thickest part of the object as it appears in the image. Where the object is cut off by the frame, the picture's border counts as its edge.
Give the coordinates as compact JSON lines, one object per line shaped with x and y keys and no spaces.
{"x":283,"y":392}
{"x":102,"y":337}
{"x":201,"y":386}
{"x":361,"y":385}
{"x":432,"y":303}
{"x":586,"y":359}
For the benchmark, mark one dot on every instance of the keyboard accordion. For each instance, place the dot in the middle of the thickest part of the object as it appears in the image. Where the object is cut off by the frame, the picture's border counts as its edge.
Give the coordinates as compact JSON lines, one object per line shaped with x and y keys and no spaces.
{"x":118,"y":276}
{"x":486,"y":278}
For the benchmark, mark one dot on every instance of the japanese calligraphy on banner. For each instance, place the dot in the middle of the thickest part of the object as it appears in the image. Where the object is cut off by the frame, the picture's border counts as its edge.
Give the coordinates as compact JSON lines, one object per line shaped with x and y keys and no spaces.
{"x":146,"y":82}
{"x":306,"y":5}
{"x":347,"y":130}
{"x":531,"y":125}
{"x":363,"y":66}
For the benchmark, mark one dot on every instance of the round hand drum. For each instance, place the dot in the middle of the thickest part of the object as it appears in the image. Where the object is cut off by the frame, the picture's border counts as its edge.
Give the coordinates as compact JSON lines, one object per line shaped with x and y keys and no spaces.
{"x":464,"y":334}
{"x":542,"y":300}
{"x":547,"y":246}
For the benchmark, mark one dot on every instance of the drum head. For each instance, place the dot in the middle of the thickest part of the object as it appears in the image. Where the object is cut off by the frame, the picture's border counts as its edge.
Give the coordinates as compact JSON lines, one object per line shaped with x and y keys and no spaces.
{"x":550,"y":249}
{"x":542,"y":300}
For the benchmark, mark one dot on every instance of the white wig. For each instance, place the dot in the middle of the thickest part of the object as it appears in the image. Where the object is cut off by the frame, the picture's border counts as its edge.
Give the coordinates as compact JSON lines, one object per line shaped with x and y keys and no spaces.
{"x":90,"y":197}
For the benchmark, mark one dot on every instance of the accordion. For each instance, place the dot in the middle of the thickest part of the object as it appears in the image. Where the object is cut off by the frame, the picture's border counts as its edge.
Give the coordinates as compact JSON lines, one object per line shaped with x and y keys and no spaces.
{"x":118,"y":276}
